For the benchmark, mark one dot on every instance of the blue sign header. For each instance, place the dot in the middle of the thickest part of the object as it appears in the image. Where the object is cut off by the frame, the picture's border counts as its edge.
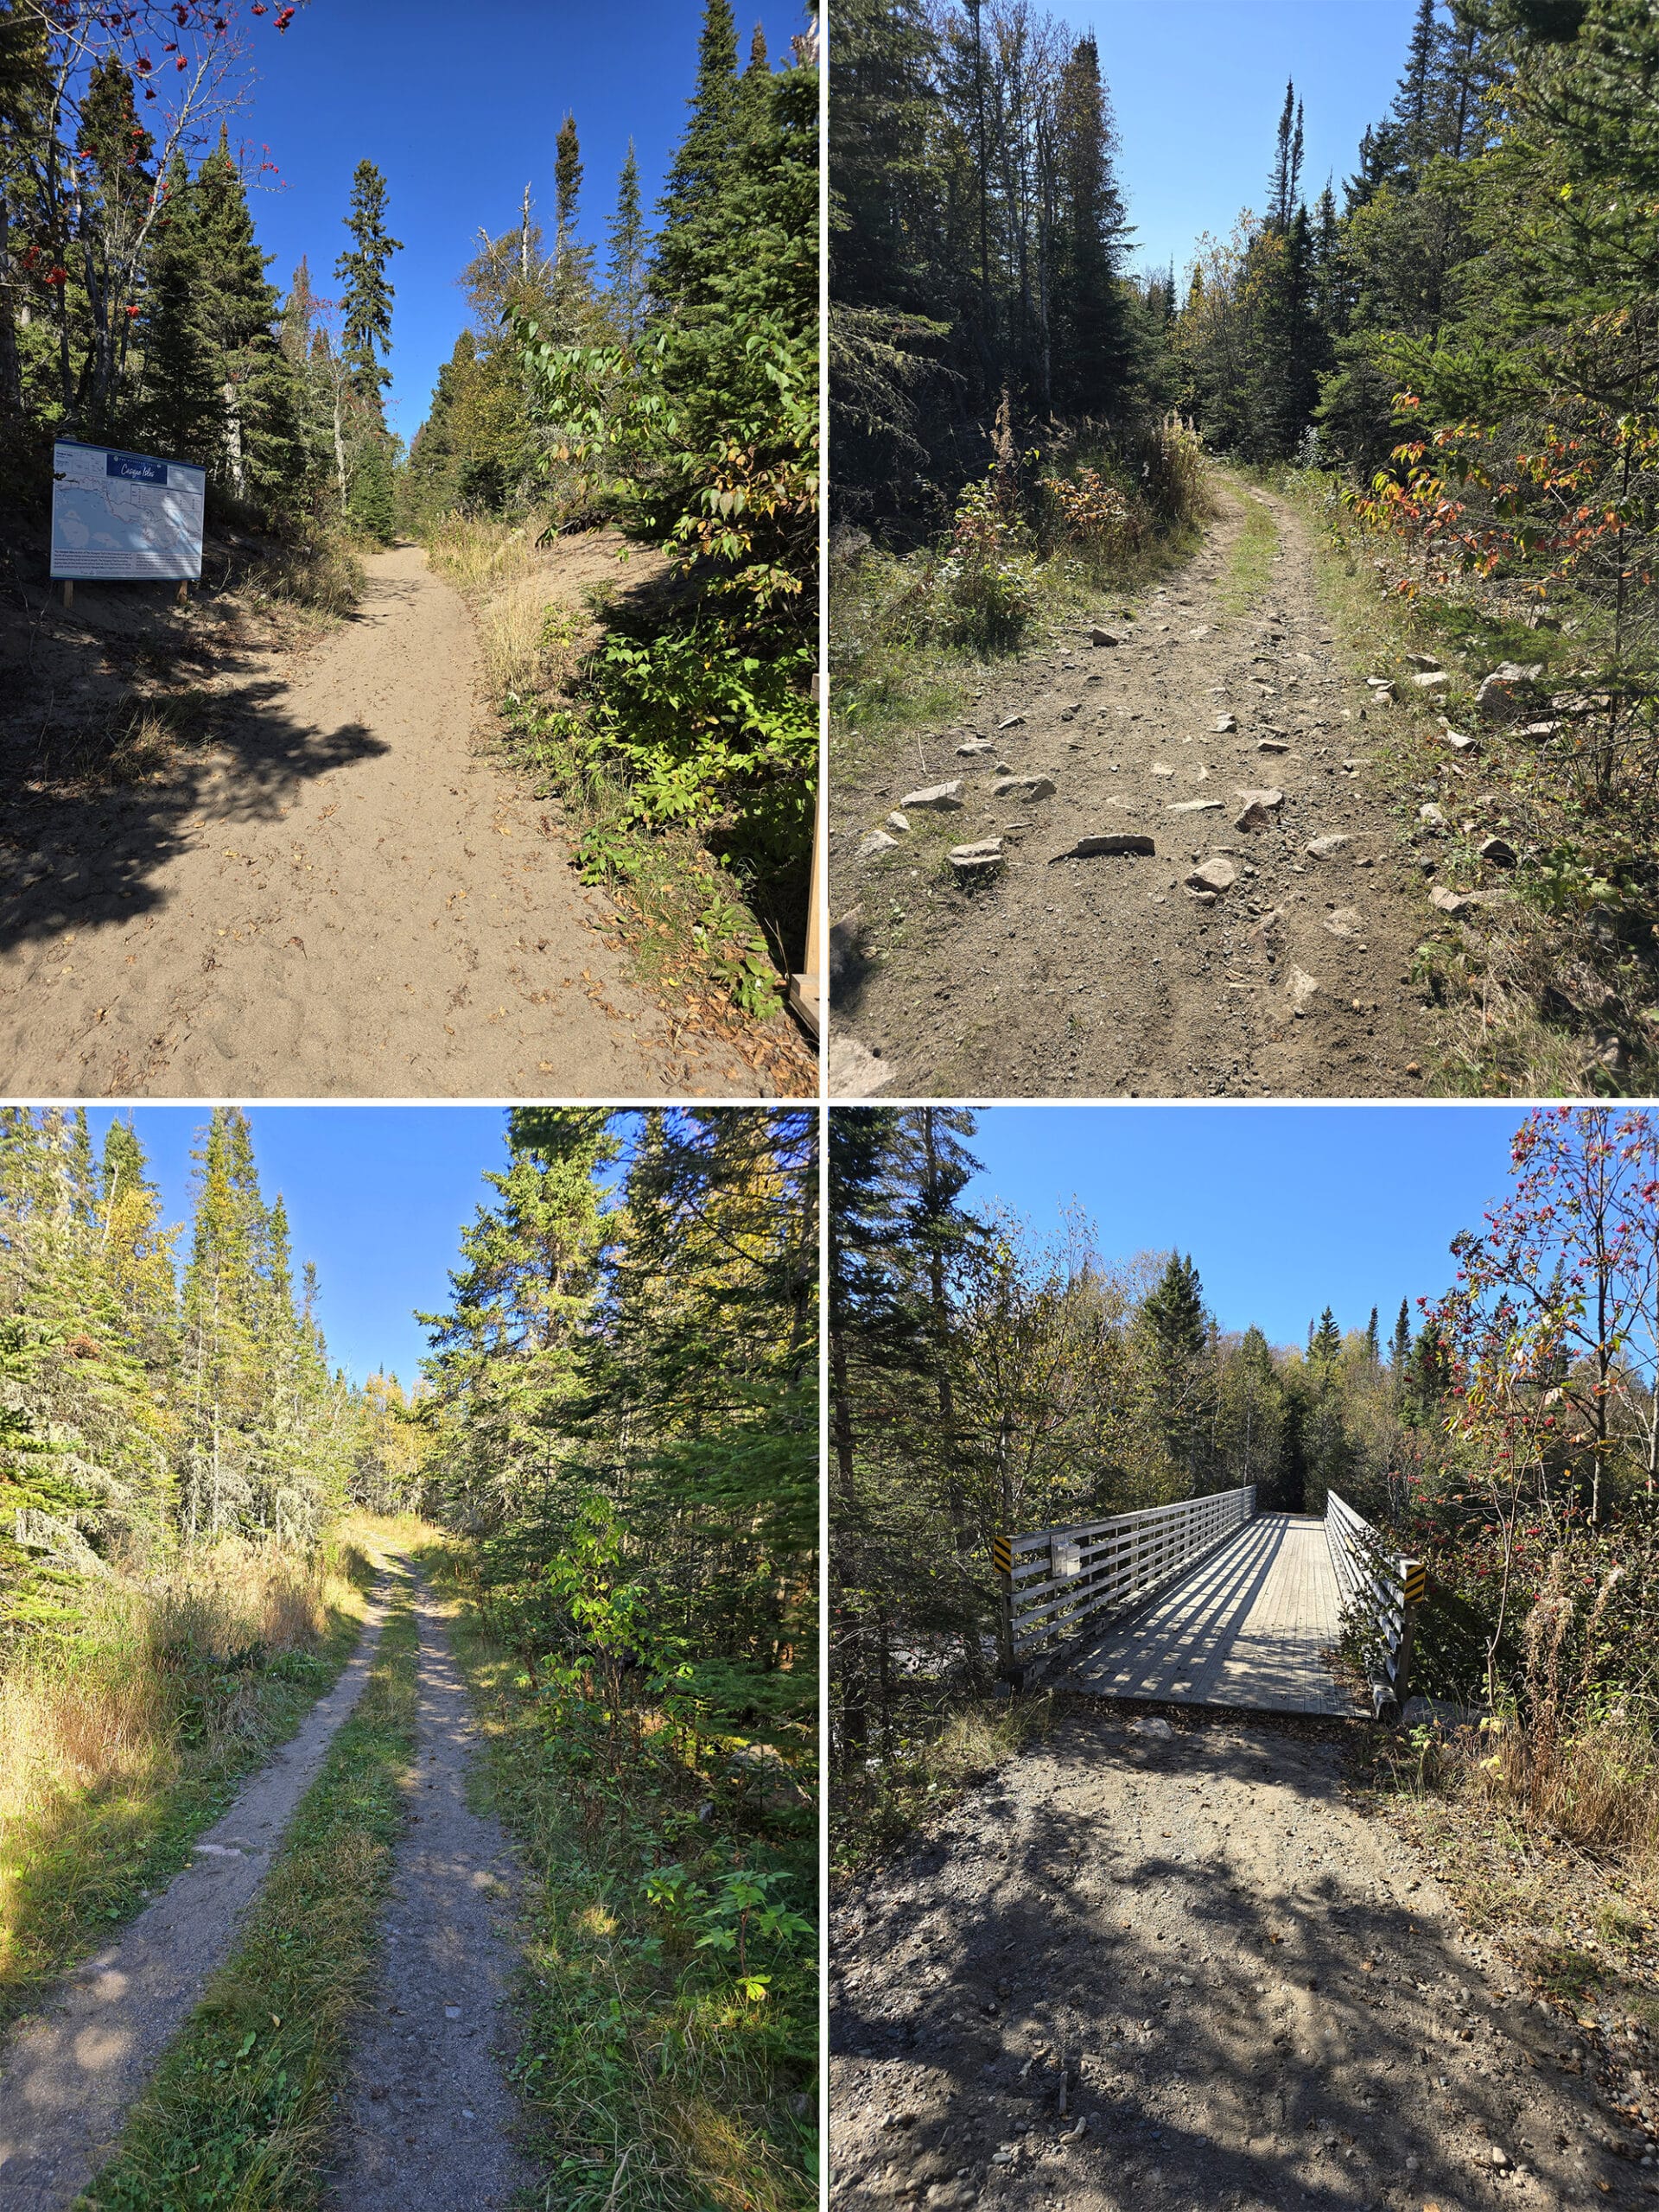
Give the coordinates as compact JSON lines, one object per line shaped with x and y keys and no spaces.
{"x":135,"y":467}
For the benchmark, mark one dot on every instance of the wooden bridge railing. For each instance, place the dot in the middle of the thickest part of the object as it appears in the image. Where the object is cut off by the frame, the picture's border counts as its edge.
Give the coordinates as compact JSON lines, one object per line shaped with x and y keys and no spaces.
{"x":1380,"y":1592}
{"x":1053,"y":1580}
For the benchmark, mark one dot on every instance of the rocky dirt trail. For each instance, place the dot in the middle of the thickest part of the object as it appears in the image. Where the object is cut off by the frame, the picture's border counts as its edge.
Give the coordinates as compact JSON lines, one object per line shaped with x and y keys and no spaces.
{"x":427,"y":2115}
{"x":343,"y":896}
{"x":72,"y":2072}
{"x":1234,"y":743}
{"x":1176,"y":1968}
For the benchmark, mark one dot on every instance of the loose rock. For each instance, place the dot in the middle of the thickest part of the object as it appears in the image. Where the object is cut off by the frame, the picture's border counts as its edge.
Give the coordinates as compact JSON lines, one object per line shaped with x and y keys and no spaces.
{"x":1089,"y":848}
{"x":1022,"y":788}
{"x":1457,"y":741}
{"x":1497,"y":852}
{"x":1431,"y":814}
{"x":1327,"y":847}
{"x":1345,"y":921}
{"x":1195,"y":806}
{"x":1504,"y":693}
{"x":980,"y":745}
{"x":942,"y":798}
{"x":1304,"y":988}
{"x":874,"y":841}
{"x":898,"y":823}
{"x":1435,"y":680}
{"x":1012,"y":722}
{"x":1102,"y":638}
{"x":1225,"y":724}
{"x":1218,"y":875}
{"x":972,"y":862}
{"x":1423,"y":660}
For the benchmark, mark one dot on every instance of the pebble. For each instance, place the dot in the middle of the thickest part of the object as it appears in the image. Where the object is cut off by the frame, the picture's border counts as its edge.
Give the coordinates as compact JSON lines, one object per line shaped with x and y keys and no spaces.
{"x":1326,"y":847}
{"x":874,"y":841}
{"x":1012,"y":722}
{"x":1225,"y":724}
{"x":899,"y":822}
{"x":1029,"y":787}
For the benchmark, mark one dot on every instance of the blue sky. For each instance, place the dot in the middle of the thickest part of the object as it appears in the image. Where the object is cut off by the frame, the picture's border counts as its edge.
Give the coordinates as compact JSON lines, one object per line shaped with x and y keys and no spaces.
{"x":1285,"y":1209}
{"x":1198,"y":87}
{"x":459,"y":107}
{"x":375,"y":1195}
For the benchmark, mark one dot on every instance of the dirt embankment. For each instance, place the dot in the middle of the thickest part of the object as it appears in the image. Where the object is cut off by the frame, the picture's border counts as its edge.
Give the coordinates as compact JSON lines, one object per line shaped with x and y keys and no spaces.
{"x":325,"y":889}
{"x":1111,"y":974}
{"x":1149,"y":1969}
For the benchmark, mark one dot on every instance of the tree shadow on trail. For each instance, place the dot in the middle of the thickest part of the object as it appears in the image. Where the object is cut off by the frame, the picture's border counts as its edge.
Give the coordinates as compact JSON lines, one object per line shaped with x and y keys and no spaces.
{"x":78,"y":851}
{"x":1262,"y":2025}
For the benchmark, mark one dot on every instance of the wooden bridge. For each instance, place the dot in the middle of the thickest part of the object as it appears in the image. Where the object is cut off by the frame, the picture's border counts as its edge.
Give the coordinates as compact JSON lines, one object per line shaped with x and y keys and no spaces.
{"x":1209,"y":1603}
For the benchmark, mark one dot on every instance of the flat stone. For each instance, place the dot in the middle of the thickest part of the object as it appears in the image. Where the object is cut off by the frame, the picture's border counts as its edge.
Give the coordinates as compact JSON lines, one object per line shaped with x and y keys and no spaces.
{"x":1540,"y":733}
{"x":1225,"y":724}
{"x":1345,"y":921}
{"x":980,"y":745}
{"x":1102,"y":638}
{"x":1253,"y":817}
{"x":1458,"y":741}
{"x":1452,"y":902}
{"x":1162,"y":768}
{"x":1272,"y":745}
{"x":1109,"y":841}
{"x":874,"y":841}
{"x":1194,"y":637}
{"x":1304,"y":989}
{"x":1218,"y":875}
{"x":1022,"y":788}
{"x":942,"y":798}
{"x":899,"y":825}
{"x":1435,"y":680}
{"x":1507,"y":689}
{"x":979,"y":860}
{"x":1269,"y":801}
{"x":1195,"y":806}
{"x":1497,"y":852}
{"x":1423,"y":660}
{"x":1012,"y":722}
{"x":854,"y":1071}
{"x":1431,"y":814}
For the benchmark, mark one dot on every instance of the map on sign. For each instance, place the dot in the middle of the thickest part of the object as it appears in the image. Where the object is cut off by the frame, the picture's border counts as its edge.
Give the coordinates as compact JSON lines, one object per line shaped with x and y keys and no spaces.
{"x":125,"y":514}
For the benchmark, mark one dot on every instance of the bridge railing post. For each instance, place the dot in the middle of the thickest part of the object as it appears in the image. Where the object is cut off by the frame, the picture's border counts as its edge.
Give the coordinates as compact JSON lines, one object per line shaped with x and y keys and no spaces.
{"x":1414,"y":1588}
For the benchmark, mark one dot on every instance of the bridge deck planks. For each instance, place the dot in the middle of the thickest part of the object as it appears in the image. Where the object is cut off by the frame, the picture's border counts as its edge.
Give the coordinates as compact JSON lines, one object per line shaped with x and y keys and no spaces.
{"x":1246,"y":1628}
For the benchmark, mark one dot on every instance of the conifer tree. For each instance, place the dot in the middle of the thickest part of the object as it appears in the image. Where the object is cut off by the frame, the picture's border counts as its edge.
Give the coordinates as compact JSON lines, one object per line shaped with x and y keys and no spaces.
{"x":1400,"y":1344}
{"x":369,"y":294}
{"x":702,"y":165}
{"x":629,"y":244}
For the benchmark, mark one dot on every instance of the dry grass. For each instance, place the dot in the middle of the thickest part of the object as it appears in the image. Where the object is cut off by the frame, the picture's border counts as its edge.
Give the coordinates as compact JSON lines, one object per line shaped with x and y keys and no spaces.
{"x":930,"y":1756}
{"x":528,"y":649}
{"x":117,"y":1730}
{"x":325,"y":578}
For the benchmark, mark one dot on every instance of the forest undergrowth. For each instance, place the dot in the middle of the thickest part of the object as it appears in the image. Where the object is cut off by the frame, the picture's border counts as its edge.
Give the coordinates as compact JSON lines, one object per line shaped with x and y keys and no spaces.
{"x":669,"y":1997}
{"x":687,"y":921}
{"x":1042,"y":542}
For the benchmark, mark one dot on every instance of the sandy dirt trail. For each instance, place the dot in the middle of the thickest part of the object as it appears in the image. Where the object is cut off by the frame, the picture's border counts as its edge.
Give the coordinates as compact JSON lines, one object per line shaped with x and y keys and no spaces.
{"x":347,"y":899}
{"x":1148,"y":1969}
{"x":71,"y":2074}
{"x":1107,"y":974}
{"x":427,"y":2112}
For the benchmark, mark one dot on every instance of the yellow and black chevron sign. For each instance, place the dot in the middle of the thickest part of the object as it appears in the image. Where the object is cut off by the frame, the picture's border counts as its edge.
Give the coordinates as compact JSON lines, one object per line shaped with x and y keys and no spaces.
{"x":1416,"y":1581}
{"x":1002,"y":1554}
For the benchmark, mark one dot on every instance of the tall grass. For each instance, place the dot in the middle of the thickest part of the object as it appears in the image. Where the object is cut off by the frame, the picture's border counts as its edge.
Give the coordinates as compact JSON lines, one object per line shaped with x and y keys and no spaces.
{"x":118,"y":1731}
{"x":526,"y":647}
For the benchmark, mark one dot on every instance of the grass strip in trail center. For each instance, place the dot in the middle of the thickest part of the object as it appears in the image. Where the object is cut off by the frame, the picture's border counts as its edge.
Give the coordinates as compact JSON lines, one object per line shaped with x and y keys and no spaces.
{"x":237,"y":2117}
{"x":1250,"y":556}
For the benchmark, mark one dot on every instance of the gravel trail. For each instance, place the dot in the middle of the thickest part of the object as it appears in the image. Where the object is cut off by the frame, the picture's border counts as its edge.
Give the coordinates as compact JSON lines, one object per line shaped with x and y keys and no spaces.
{"x":346,"y":898}
{"x":1108,"y":975}
{"x":428,"y":2115}
{"x":72,"y":2072}
{"x":1145,"y":1970}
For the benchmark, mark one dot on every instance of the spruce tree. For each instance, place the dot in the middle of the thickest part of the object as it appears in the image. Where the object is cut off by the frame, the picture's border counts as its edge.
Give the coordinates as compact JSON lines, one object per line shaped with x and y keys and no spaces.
{"x":260,"y":454}
{"x":369,"y":295}
{"x":1400,"y":1345}
{"x":702,"y":165}
{"x":629,"y":244}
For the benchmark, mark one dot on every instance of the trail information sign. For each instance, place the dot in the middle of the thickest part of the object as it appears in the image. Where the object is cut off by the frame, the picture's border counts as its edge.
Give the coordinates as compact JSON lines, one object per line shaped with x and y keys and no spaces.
{"x":118,"y":515}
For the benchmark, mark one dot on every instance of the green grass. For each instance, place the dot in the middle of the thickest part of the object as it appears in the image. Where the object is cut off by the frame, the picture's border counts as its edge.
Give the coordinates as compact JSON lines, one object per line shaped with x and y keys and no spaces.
{"x":653,"y":2082}
{"x":236,"y":2117}
{"x":1249,"y":558}
{"x":79,"y":1864}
